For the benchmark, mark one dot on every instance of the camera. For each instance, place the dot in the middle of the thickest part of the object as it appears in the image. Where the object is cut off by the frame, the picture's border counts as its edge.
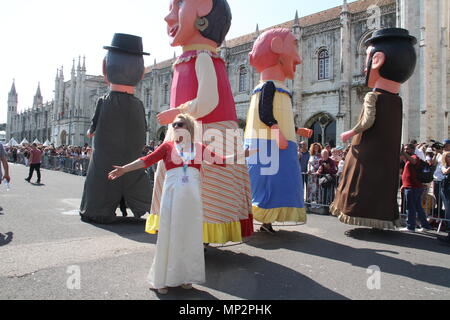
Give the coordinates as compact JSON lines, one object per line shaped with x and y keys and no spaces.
{"x":437,"y":145}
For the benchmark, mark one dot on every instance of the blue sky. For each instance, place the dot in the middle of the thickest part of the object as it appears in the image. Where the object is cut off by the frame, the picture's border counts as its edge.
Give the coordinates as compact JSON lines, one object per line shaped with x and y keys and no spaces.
{"x":40,"y":36}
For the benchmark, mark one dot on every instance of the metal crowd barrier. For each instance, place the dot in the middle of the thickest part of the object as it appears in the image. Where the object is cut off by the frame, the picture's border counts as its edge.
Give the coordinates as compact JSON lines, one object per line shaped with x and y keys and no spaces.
{"x":76,"y":166}
{"x":318,"y":197}
{"x":318,"y":200}
{"x":433,"y":204}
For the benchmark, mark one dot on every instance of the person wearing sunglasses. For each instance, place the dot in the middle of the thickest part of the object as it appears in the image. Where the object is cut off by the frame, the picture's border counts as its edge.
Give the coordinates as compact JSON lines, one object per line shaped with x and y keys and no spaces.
{"x":179,"y":258}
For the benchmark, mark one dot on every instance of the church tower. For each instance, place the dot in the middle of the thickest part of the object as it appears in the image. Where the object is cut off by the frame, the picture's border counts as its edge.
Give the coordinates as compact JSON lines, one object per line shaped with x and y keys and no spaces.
{"x":12,"y":111}
{"x":37,"y":100}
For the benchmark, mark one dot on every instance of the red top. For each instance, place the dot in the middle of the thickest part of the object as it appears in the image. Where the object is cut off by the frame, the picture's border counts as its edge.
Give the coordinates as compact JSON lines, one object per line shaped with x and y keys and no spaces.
{"x":185,"y":86}
{"x":332,"y":170}
{"x":169,"y":154}
{"x":35,"y":156}
{"x":409,"y":176}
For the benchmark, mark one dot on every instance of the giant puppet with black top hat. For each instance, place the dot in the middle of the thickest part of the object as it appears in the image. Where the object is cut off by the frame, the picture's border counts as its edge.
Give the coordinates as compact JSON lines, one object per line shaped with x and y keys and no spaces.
{"x":119,"y":130}
{"x":367,"y":193}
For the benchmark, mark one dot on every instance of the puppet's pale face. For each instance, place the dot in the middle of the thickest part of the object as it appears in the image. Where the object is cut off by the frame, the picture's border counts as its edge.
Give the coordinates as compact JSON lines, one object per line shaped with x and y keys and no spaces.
{"x":290,"y":57}
{"x":181,"y":21}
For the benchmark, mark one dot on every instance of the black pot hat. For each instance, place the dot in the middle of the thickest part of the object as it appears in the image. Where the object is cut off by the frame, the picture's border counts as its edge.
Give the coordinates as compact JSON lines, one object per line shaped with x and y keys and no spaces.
{"x":127,"y":43}
{"x":391,"y":33}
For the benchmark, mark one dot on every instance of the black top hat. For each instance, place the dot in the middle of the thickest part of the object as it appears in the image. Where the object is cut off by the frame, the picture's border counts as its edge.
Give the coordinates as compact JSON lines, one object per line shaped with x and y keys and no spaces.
{"x":127,"y":43}
{"x":391,"y":33}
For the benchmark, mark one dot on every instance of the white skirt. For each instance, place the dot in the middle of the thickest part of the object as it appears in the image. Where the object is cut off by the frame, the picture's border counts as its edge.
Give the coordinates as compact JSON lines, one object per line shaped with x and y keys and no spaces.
{"x":179,"y":257}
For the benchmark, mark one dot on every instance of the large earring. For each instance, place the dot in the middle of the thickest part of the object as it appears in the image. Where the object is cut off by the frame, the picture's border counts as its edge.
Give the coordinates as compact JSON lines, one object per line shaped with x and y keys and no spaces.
{"x":201,"y":24}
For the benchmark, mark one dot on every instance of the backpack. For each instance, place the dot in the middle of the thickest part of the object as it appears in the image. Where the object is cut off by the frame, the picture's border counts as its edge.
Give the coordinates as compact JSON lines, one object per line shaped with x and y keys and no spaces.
{"x":425,"y":172}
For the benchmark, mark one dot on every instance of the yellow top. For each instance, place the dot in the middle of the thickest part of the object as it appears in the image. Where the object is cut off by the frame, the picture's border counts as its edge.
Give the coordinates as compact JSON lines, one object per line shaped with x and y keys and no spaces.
{"x":282,"y":111}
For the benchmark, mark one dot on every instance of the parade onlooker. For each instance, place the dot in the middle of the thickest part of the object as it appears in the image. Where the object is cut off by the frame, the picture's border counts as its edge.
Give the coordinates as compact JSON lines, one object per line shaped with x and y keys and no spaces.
{"x":445,"y":189}
{"x":34,"y":160}
{"x":438,"y":177}
{"x":413,"y":190}
{"x":303,"y":156}
{"x":4,"y":162}
{"x":312,"y":190}
{"x":179,"y":258}
{"x":5,"y":165}
{"x":14,"y":154}
{"x":327,"y":180}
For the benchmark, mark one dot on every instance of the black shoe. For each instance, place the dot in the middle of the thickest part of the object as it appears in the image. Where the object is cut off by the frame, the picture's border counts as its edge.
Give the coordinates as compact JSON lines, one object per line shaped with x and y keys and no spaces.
{"x":27,"y":180}
{"x":267,"y":228}
{"x":38,"y":182}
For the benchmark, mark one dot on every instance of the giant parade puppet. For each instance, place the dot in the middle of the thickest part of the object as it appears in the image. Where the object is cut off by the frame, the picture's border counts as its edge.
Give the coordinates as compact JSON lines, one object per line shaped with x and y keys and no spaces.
{"x":367,"y":193}
{"x":277,"y":191}
{"x":201,"y":89}
{"x":118,"y":128}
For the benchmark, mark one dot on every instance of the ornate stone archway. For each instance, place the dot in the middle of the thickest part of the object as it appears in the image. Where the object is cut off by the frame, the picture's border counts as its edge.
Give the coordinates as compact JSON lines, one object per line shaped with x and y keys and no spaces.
{"x":63,"y":137}
{"x":324,"y":126}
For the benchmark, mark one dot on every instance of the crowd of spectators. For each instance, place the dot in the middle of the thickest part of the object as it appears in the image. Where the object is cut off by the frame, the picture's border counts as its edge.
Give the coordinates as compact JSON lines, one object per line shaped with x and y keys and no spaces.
{"x":71,"y":159}
{"x":322,"y":166}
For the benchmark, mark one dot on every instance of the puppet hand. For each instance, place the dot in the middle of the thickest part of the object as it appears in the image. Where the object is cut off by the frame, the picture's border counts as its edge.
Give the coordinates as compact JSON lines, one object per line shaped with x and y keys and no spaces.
{"x":306,"y":133}
{"x":167,"y":117}
{"x":118,"y":172}
{"x":89,"y":134}
{"x":347,"y":135}
{"x":248,"y":153}
{"x":280,"y":138}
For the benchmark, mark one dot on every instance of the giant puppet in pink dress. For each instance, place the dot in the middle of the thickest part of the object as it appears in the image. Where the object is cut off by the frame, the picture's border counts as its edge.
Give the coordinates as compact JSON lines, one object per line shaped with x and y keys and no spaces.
{"x":201,"y":89}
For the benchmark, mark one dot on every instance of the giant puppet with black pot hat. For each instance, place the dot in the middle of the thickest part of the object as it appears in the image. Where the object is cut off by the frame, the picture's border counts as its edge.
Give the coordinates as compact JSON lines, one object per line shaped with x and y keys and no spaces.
{"x":119,"y":128}
{"x":367,"y":193}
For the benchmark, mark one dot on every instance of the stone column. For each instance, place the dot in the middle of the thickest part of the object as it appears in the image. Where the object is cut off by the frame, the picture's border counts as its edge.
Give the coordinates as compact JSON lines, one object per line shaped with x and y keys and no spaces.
{"x":298,"y":79}
{"x":344,"y":119}
{"x":432,"y":109}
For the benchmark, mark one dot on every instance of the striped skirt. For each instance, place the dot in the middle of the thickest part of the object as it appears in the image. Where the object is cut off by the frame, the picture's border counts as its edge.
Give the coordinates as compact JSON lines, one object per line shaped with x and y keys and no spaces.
{"x":225,"y":191}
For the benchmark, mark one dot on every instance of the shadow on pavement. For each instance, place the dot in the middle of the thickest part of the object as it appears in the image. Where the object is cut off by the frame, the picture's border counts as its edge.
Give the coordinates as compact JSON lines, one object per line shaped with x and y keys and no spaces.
{"x":129,"y":227}
{"x":310,"y":244}
{"x":37,"y":184}
{"x":253,"y":277}
{"x":421,"y":241}
{"x":5,"y":238}
{"x":183,"y":294}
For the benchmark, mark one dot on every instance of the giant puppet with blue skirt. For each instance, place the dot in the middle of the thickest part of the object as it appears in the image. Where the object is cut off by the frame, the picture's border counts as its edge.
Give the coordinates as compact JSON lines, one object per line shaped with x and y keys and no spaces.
{"x":277,"y":191}
{"x":119,"y":127}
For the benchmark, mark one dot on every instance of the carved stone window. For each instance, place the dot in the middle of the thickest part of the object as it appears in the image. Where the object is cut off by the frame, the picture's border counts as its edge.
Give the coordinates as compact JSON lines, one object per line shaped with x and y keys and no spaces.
{"x":324,"y":64}
{"x":243,"y":79}
{"x":166,"y":94}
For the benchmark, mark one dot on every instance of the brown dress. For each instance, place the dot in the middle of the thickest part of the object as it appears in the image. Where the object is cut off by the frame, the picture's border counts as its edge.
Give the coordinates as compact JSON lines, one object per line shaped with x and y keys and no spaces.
{"x":367,"y":193}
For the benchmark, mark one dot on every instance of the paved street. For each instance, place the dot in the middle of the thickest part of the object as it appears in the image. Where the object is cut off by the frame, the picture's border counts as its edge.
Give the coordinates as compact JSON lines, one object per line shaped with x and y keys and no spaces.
{"x":44,"y":247}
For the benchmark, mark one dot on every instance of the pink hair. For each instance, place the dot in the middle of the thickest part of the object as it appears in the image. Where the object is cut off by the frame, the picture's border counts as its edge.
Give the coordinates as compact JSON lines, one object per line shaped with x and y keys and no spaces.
{"x":262,"y":56}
